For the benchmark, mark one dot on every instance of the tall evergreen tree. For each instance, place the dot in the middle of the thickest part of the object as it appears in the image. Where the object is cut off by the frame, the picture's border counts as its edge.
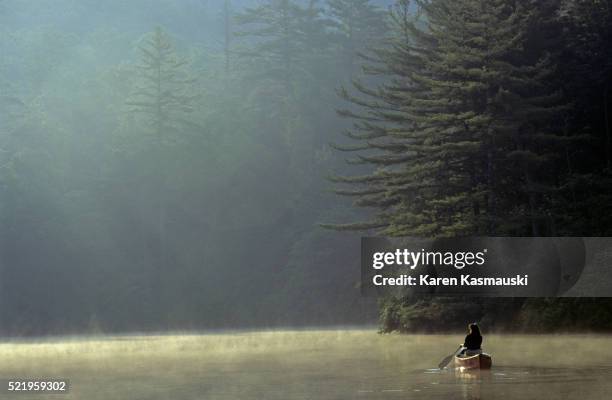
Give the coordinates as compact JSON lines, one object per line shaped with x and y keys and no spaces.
{"x":285,"y":45}
{"x":586,"y":73}
{"x":460,"y":135}
{"x":163,"y":100}
{"x":470,"y":135}
{"x":163,"y":94}
{"x":589,"y":35}
{"x":280,"y":36}
{"x":358,"y":24}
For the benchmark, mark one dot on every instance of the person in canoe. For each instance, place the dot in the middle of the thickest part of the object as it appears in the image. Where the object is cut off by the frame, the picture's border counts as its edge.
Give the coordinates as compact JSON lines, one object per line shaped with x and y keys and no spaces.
{"x":472,"y":344}
{"x":469,"y":355}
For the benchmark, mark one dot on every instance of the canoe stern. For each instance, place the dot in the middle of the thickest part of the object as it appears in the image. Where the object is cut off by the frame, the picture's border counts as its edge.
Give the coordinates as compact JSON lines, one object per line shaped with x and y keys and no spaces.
{"x":478,"y":361}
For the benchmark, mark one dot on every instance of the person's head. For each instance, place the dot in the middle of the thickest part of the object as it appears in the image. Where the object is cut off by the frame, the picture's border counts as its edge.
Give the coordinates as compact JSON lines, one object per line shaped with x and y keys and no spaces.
{"x":473,"y":327}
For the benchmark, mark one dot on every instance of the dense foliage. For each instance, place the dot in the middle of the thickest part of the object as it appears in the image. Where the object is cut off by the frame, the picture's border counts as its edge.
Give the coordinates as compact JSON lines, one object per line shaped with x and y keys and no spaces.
{"x":485,"y":125}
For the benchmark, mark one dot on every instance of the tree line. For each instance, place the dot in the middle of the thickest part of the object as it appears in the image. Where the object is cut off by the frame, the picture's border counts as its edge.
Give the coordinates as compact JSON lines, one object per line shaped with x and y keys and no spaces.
{"x":493,"y":120}
{"x":168,"y":181}
{"x":176,"y":180}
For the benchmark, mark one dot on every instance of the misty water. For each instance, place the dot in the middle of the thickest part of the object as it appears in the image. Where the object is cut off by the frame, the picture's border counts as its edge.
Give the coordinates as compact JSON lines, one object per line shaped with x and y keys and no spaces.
{"x":330,"y":364}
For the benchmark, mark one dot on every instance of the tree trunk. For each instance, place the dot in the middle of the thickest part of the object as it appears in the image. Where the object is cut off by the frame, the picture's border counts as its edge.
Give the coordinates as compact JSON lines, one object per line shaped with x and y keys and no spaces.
{"x":491,"y":206}
{"x":607,"y":121}
{"x":535,"y":231}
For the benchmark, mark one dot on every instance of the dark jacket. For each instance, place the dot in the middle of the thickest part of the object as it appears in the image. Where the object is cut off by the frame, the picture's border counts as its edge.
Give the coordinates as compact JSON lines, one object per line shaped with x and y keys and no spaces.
{"x":473,"y":341}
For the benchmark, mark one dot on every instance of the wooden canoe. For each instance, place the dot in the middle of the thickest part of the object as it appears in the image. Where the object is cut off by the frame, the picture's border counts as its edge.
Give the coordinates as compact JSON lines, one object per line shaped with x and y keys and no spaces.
{"x":478,"y":361}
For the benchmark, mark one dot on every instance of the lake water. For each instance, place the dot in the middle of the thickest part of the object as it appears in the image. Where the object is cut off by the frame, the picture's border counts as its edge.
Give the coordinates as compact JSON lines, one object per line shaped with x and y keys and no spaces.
{"x":284,"y":365}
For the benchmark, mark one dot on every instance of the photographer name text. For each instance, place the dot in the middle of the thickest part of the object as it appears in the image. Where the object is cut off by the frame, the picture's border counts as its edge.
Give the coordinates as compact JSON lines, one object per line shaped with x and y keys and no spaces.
{"x":434,"y":259}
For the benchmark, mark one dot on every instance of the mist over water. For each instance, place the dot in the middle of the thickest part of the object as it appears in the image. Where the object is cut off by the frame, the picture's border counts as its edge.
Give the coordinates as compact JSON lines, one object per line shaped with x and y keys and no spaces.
{"x":343,"y":364}
{"x":117,"y":216}
{"x":175,"y":166}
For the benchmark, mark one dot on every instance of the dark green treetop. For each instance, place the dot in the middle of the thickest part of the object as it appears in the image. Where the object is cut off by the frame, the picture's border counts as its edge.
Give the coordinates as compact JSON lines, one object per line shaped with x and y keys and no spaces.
{"x":459,"y":137}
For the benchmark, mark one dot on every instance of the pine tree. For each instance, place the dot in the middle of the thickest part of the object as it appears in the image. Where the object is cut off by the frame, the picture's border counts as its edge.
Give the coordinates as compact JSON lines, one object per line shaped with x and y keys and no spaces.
{"x":469,"y":134}
{"x":285,"y":46}
{"x":586,"y":73}
{"x":463,"y":135}
{"x":282,"y":36}
{"x":163,"y":101}
{"x":589,"y":33}
{"x":163,"y":95}
{"x":358,"y":24}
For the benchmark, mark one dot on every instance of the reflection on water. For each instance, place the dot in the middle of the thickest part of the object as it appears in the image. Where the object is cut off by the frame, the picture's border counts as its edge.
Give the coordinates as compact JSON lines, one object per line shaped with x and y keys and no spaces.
{"x":505,"y":382}
{"x":345,"y":364}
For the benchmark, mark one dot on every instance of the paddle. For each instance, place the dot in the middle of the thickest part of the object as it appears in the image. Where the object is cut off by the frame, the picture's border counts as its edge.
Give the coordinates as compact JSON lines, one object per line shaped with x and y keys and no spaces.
{"x":448,"y":359}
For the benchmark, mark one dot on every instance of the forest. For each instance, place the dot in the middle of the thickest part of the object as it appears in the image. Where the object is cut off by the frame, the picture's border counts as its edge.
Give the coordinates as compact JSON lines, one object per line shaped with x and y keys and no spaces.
{"x":183,"y":165}
{"x":492,"y":120}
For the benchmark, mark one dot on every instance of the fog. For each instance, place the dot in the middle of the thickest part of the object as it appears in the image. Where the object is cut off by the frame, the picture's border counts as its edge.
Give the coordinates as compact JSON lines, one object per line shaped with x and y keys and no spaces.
{"x":188,"y":165}
{"x":341,"y":364}
{"x":204,"y":214}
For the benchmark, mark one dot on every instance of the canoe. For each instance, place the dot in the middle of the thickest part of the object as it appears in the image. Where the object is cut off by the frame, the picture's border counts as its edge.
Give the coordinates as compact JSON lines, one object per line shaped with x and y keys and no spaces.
{"x":478,"y":361}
